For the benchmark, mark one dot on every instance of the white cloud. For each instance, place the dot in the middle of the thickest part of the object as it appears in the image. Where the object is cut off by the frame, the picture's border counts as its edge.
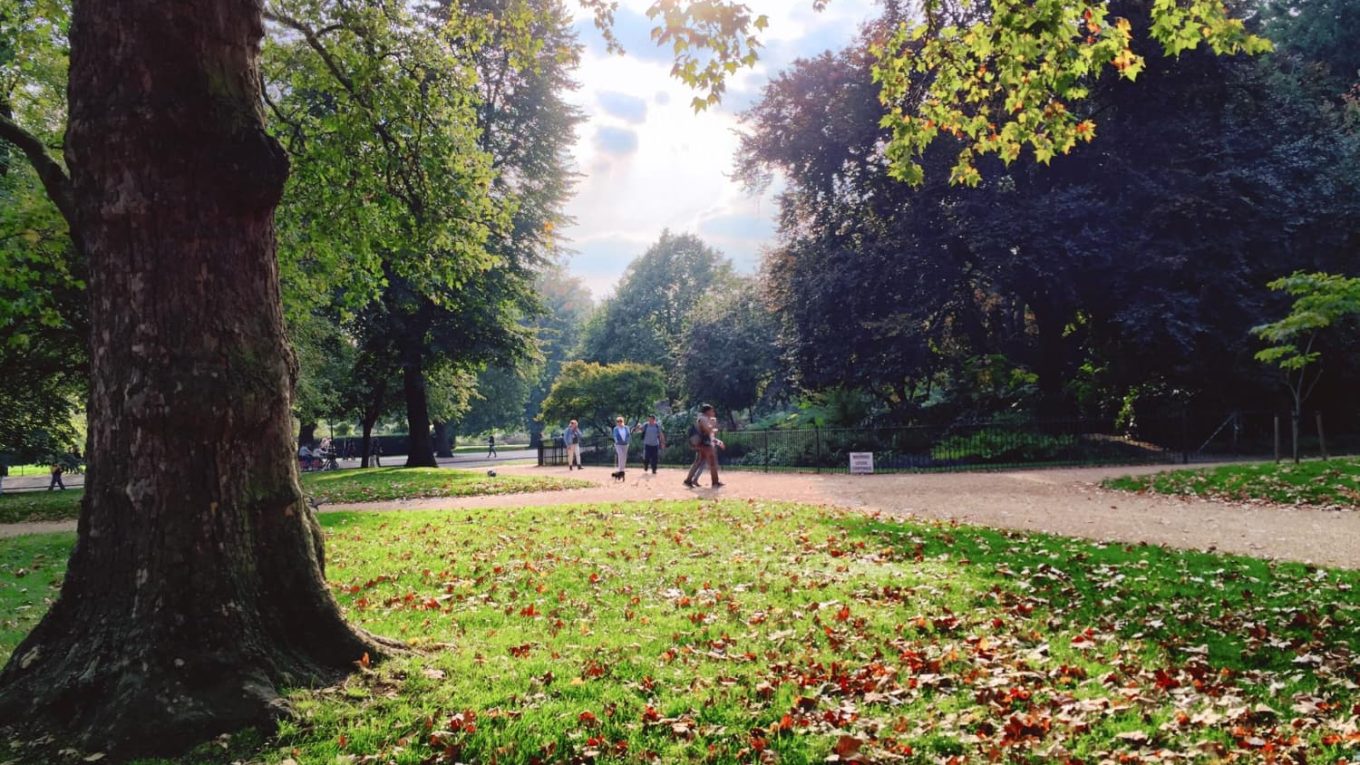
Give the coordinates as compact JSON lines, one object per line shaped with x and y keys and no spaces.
{"x":648,"y":162}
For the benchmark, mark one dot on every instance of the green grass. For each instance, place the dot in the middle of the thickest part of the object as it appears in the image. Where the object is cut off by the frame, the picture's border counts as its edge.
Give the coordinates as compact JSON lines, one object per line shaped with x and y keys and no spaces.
{"x":341,"y":486}
{"x":383,"y":484}
{"x":31,"y":569}
{"x":21,"y":506}
{"x":29,"y":470}
{"x":713,"y":632}
{"x":1324,"y":483}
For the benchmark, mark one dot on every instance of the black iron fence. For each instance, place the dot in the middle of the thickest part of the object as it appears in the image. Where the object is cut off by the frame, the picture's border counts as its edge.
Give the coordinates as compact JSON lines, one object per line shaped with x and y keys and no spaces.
{"x":994,"y":445}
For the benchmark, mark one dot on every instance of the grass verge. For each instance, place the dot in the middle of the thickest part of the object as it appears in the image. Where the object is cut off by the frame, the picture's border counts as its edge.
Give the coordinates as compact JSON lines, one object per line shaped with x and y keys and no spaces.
{"x":747,"y":632}
{"x":1323,"y":483}
{"x":22,"y":506}
{"x":384,"y":484}
{"x":31,"y":570}
{"x":340,"y":486}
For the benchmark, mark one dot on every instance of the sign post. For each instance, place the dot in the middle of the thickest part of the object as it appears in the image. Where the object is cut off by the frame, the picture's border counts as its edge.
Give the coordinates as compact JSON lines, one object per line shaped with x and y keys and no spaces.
{"x":861,"y":463}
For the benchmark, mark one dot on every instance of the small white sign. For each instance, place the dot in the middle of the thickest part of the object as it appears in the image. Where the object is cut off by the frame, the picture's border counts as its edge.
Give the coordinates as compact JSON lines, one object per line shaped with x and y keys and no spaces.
{"x":861,"y":463}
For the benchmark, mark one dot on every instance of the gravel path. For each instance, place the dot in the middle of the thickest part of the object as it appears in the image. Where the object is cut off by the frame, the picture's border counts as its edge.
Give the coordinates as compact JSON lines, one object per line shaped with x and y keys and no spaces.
{"x":1068,"y":502}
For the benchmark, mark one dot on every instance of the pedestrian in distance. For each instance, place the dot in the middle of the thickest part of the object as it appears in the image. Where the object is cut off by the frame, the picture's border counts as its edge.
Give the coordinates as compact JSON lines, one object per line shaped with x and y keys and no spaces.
{"x":491,"y":446}
{"x":653,"y":441}
{"x":571,"y":437}
{"x":306,"y":458}
{"x":621,"y":434}
{"x":55,"y":483}
{"x":704,"y":439}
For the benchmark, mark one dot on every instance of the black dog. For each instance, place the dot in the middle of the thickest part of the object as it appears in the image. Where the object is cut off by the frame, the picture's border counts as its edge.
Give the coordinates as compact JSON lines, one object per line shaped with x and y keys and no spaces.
{"x":618,"y":475}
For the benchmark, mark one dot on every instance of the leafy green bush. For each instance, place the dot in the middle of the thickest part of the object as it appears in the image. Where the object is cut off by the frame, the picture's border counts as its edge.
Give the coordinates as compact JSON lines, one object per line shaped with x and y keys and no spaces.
{"x":994,"y":445}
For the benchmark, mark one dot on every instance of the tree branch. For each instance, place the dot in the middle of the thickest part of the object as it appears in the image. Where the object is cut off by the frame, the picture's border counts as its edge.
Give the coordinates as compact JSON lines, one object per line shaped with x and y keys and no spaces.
{"x":313,"y":39}
{"x":50,"y":172}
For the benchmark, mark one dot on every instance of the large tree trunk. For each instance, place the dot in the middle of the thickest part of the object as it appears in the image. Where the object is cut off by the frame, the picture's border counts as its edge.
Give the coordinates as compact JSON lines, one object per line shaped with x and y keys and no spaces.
{"x":420,"y":453}
{"x":307,"y":433}
{"x":194,"y":591}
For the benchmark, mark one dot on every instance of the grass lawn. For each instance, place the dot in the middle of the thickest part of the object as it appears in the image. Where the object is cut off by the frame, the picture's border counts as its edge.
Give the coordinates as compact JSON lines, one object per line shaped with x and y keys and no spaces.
{"x":19,"y":506}
{"x":748,"y":632}
{"x":374,"y":485}
{"x":1325,"y":483}
{"x":380,"y":484}
{"x":31,"y":569}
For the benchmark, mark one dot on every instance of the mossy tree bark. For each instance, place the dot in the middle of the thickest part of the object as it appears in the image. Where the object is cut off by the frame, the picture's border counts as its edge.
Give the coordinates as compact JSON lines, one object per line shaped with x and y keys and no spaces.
{"x":195,"y":590}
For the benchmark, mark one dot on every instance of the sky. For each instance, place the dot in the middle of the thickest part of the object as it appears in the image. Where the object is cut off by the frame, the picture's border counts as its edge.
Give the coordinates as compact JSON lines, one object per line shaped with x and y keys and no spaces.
{"x":648,"y":162}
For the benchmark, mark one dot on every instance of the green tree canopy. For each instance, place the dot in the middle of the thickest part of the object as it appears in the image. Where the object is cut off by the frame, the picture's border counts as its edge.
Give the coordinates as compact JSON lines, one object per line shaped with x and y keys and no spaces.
{"x":645,"y":318}
{"x":1322,"y":302}
{"x":557,"y":331}
{"x":728,"y":355}
{"x":594,"y":394}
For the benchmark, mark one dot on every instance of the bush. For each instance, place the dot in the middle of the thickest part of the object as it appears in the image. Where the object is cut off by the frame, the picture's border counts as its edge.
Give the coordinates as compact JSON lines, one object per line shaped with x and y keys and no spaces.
{"x":993,"y":445}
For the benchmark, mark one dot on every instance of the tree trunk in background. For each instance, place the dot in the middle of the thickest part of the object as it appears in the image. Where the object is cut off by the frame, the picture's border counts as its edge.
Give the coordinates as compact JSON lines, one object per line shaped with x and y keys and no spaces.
{"x":420,"y":453}
{"x":194,"y":590}
{"x":1052,"y":360}
{"x":307,"y":434}
{"x":370,"y":419}
{"x":367,"y":443}
{"x":443,"y":440}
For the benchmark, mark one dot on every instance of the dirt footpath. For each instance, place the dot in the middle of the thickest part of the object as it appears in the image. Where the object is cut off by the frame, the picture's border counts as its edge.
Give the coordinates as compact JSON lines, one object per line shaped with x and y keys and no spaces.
{"x":1068,"y":502}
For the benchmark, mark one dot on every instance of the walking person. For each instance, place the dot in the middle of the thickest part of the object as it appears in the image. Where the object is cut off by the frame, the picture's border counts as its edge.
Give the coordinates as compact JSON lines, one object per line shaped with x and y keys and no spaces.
{"x":491,"y":446}
{"x":55,"y":483}
{"x":572,"y":438}
{"x":653,"y":441}
{"x":621,"y":434}
{"x":706,"y":443}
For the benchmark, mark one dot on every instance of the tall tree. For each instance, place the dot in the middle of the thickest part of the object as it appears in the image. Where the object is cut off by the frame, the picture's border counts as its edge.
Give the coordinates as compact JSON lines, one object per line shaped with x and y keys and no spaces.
{"x":727,"y":355}
{"x":1142,"y":255}
{"x":557,"y":330}
{"x":43,"y":316}
{"x":195,"y":588}
{"x":644,"y":319}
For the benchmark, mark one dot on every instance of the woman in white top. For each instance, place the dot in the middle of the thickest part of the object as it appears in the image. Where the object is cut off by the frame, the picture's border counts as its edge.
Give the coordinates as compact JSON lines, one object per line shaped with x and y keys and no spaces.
{"x":621,"y":434}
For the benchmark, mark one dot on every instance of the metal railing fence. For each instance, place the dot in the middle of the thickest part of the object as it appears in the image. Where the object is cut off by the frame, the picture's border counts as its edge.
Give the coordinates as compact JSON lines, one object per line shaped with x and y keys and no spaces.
{"x":994,"y":445}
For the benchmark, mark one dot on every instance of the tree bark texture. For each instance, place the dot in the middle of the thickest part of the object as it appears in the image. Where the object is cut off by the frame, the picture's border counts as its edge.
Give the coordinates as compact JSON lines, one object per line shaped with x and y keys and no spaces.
{"x":194,"y":591}
{"x":306,"y":433}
